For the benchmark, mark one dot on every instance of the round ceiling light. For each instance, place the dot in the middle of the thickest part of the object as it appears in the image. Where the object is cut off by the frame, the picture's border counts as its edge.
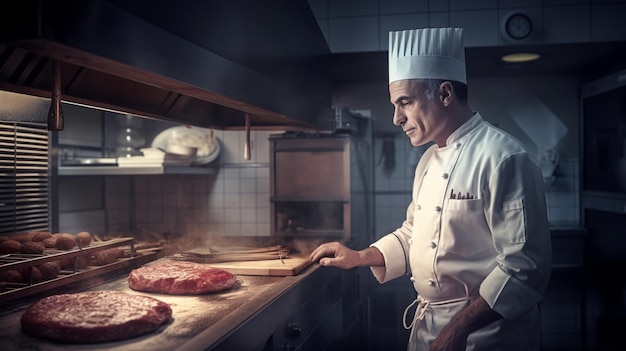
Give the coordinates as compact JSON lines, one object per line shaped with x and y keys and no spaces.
{"x":520,"y":57}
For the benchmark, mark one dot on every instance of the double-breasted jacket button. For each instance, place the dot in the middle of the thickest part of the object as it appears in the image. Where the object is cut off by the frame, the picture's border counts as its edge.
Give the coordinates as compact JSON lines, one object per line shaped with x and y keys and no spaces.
{"x":445,"y":176}
{"x":410,"y":241}
{"x":437,"y":208}
{"x":418,"y":207}
{"x":433,"y":245}
{"x":430,"y":282}
{"x":412,"y":279}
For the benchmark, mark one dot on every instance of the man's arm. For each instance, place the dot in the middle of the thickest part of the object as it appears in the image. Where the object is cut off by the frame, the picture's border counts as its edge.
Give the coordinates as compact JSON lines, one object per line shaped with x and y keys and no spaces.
{"x":473,"y":317}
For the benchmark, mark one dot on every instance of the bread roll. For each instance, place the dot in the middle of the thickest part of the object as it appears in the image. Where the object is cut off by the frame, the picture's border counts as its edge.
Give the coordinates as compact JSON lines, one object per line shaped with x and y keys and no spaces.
{"x":68,"y":263}
{"x":107,"y":256}
{"x":23,"y":237}
{"x":84,"y":238}
{"x":49,"y":270}
{"x":35,"y":275}
{"x":83,"y":261}
{"x":50,"y":242}
{"x":32,"y":247}
{"x":65,"y":241}
{"x":10,"y":246}
{"x":11,"y":276}
{"x":41,"y":236}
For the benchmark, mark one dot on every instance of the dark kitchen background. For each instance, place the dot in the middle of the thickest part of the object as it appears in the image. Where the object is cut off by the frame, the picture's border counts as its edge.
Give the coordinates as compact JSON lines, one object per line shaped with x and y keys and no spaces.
{"x":568,"y":108}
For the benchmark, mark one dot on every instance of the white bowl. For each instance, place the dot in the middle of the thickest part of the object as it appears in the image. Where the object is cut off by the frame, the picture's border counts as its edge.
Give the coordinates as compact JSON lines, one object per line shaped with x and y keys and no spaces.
{"x":181,"y":150}
{"x":207,"y":143}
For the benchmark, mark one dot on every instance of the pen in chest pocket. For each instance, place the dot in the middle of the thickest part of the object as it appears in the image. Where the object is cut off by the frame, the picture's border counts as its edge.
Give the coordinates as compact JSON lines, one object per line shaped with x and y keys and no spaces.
{"x":460,"y":196}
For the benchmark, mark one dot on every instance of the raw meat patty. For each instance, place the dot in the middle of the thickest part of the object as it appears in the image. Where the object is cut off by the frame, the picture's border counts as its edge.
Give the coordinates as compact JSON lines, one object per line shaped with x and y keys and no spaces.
{"x":180,"y":278}
{"x":94,"y":317}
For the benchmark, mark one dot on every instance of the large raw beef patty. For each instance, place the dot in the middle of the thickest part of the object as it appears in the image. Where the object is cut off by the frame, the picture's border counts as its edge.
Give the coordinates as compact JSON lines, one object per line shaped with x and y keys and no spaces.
{"x":180,"y":278}
{"x":94,"y":317}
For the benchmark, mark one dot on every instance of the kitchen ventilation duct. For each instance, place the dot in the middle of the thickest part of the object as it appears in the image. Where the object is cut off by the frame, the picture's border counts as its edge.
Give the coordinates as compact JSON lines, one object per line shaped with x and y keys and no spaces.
{"x":202,"y":63}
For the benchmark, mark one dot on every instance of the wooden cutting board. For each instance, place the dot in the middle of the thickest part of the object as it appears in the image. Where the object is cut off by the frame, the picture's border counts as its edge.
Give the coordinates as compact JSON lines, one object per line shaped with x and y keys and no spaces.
{"x":292,"y":266}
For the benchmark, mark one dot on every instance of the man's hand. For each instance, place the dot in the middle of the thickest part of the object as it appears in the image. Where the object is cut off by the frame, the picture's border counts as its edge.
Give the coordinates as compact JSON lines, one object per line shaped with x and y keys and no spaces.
{"x":337,"y":255}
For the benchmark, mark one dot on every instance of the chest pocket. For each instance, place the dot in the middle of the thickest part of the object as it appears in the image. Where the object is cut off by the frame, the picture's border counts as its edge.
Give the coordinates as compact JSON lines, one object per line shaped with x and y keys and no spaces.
{"x":464,"y":229}
{"x":515,"y":219}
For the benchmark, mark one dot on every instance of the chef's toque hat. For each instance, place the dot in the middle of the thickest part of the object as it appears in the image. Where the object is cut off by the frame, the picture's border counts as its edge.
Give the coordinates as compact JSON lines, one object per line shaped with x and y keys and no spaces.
{"x":429,"y":53}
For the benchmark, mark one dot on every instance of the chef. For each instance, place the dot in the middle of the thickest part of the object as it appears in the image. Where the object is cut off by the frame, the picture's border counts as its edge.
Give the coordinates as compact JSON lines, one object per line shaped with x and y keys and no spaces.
{"x":476,"y":240}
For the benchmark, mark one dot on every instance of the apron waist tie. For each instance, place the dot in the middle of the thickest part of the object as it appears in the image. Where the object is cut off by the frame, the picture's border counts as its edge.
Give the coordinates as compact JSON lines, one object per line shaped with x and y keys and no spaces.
{"x":422,"y":308}
{"x":420,"y":311}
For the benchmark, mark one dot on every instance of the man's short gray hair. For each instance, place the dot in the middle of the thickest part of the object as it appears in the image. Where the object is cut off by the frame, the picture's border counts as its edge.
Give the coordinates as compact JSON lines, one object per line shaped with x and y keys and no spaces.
{"x":430,"y":87}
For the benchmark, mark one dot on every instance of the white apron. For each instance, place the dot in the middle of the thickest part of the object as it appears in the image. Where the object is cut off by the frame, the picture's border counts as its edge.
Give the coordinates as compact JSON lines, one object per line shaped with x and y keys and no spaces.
{"x":520,"y":334}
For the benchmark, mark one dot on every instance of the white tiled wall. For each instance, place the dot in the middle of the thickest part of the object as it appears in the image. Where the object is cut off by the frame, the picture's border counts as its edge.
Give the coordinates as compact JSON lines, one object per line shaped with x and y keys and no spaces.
{"x":392,"y":186}
{"x":563,"y":196}
{"x":231,"y":201}
{"x":363,"y":25}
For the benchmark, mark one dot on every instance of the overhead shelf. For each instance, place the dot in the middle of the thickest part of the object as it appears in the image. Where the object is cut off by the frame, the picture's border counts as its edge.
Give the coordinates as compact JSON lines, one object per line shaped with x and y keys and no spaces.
{"x":114,"y":170}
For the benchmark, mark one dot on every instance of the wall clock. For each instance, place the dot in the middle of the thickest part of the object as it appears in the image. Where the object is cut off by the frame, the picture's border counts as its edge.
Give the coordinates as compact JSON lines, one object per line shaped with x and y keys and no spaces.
{"x":518,"y":26}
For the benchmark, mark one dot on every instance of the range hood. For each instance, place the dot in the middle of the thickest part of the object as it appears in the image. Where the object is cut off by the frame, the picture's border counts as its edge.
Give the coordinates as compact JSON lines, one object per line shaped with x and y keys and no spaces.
{"x":202,"y":63}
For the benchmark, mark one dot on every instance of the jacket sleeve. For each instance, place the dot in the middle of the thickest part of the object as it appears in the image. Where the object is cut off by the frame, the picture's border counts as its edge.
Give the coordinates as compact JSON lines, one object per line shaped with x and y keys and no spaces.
{"x":395,"y":250}
{"x":516,"y":213}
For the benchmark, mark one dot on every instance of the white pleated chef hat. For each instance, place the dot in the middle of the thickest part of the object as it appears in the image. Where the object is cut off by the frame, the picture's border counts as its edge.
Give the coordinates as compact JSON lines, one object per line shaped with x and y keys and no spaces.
{"x":429,"y":53}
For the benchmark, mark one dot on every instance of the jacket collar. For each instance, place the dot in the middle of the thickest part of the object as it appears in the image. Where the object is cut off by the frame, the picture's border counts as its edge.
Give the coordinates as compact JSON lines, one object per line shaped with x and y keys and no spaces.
{"x":465,"y":128}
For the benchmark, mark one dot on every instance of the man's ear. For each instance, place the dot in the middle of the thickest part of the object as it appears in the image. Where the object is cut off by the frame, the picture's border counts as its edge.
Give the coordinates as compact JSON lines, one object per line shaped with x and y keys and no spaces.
{"x":445,"y":93}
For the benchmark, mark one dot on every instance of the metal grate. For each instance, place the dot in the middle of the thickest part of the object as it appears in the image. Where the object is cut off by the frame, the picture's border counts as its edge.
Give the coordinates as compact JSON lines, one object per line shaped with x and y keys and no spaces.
{"x":24,"y":177}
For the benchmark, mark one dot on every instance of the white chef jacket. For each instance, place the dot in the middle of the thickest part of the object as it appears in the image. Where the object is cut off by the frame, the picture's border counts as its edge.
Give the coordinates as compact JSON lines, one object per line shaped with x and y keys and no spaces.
{"x":492,"y":239}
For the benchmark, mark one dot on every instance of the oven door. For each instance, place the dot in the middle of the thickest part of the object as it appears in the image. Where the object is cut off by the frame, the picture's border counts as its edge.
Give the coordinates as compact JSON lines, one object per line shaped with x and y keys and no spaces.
{"x":310,"y":187}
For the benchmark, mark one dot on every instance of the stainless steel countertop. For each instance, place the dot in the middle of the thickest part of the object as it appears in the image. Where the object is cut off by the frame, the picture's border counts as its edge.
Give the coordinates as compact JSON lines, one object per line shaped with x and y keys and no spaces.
{"x":198,"y":321}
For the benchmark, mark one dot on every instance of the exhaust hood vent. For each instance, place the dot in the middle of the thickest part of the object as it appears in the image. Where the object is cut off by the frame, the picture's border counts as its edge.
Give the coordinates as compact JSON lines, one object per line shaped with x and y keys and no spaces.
{"x":203,"y":63}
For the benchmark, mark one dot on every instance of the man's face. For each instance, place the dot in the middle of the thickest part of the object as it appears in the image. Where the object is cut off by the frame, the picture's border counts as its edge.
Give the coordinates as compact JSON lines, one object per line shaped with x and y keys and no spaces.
{"x":418,"y":115}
